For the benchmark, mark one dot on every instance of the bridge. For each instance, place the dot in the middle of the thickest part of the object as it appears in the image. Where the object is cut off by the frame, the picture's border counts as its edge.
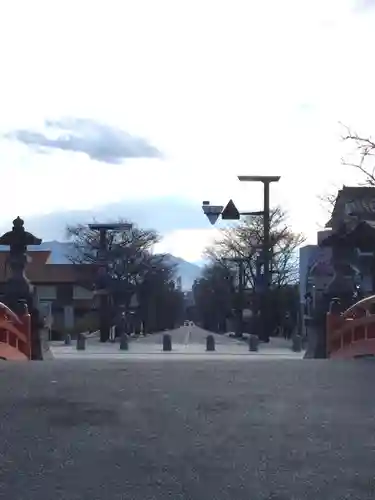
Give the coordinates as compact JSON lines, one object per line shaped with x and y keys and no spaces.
{"x":15,"y":335}
{"x":351,"y":334}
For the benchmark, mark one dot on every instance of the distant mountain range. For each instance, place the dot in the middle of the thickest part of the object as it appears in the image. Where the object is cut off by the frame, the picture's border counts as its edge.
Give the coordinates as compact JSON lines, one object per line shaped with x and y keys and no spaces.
{"x":188,"y":271}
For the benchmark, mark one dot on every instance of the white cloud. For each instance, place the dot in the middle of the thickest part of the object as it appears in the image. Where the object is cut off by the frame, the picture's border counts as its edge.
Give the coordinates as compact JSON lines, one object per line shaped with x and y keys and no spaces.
{"x":101,"y":142}
{"x":188,"y":244}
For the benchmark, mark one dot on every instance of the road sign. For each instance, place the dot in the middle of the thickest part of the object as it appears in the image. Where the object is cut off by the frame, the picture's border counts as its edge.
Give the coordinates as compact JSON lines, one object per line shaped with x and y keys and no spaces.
{"x":230,"y":212}
{"x":212,"y":218}
{"x":212,"y":211}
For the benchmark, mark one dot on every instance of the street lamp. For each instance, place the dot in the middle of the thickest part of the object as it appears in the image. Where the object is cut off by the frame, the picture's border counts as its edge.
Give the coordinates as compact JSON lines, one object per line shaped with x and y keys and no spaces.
{"x":231,"y":212}
{"x":103,"y":292}
{"x":266,"y":180}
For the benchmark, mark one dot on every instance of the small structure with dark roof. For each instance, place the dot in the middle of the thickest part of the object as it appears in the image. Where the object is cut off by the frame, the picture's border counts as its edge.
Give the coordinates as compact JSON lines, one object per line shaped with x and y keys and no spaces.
{"x":352,"y":244}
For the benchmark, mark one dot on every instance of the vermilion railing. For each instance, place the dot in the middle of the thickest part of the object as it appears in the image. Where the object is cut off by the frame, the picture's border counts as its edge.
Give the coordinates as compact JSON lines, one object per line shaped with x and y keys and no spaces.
{"x":352,"y":334}
{"x":15,"y":335}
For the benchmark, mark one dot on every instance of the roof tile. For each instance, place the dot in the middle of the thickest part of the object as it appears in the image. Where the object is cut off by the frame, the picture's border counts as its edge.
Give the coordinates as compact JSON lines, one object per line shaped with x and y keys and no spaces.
{"x":39,"y":271}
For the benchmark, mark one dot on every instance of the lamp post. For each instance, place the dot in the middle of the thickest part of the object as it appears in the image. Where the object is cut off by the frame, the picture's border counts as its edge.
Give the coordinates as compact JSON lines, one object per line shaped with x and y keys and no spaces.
{"x":230,"y":212}
{"x":102,"y":282}
{"x":266,"y":180}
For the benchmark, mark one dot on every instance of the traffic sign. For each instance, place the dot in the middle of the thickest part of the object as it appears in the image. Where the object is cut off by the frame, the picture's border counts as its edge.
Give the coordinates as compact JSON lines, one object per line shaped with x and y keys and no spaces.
{"x":212,"y":211}
{"x":213,"y":218}
{"x":230,"y":212}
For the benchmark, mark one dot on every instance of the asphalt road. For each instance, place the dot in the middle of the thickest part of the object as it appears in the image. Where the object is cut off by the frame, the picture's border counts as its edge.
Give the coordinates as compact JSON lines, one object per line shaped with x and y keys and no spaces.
{"x":232,"y":430}
{"x":190,"y":336}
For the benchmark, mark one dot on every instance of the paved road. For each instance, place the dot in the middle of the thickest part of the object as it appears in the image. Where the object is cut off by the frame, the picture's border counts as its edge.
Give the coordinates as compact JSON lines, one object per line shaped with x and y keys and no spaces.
{"x":186,"y":343}
{"x":277,"y":430}
{"x":192,"y":337}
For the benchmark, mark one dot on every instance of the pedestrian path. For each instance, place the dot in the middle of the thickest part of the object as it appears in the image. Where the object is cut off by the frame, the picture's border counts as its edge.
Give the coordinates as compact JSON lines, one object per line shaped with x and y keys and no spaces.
{"x":151,"y":348}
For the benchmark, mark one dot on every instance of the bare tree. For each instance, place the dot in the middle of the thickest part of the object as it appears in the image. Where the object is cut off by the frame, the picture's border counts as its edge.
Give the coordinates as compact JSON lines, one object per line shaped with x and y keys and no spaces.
{"x":129,"y":253}
{"x":328,"y":200}
{"x":364,"y":152}
{"x":361,"y":158}
{"x":245,"y":241}
{"x":132,"y":267}
{"x":214,"y":296}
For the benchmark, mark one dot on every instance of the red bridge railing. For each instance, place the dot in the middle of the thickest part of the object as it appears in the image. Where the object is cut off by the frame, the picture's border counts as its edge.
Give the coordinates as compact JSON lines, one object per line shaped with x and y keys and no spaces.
{"x":15,"y":335}
{"x":352,"y":334}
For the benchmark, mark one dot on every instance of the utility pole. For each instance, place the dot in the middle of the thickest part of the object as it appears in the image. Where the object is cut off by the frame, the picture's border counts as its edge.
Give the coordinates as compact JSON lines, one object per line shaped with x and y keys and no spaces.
{"x":104,"y":323}
{"x":230,"y":212}
{"x":241,"y":291}
{"x":266,"y":256}
{"x":266,"y":250}
{"x":102,"y":281}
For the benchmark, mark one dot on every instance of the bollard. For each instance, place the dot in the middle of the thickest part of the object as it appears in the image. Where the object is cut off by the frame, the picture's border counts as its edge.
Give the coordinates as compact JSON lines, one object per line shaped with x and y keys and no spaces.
{"x":167,"y":342}
{"x":210,"y":343}
{"x":68,"y":339}
{"x":81,"y":342}
{"x":124,"y":344}
{"x":297,"y":343}
{"x":253,"y":343}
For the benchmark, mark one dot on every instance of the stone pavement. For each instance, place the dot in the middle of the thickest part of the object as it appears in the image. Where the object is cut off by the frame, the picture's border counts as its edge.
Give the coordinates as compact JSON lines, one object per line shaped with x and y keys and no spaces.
{"x":187,"y":342}
{"x":279,"y":430}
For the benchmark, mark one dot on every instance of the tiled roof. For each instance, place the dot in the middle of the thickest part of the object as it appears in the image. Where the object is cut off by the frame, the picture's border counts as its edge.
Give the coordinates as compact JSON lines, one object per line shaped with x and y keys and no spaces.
{"x":357,"y":200}
{"x":39,"y":272}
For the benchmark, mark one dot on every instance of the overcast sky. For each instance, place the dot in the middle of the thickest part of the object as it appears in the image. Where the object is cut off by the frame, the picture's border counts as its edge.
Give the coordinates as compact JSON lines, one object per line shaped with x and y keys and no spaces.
{"x":135,"y":100}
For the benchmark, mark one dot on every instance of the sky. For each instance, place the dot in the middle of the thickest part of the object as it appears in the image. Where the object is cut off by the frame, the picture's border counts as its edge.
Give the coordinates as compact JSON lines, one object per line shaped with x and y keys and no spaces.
{"x":163,"y":104}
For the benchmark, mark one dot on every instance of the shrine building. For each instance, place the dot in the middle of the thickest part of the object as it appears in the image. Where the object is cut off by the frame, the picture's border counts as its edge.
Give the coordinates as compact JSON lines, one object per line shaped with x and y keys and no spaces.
{"x":353,"y":213}
{"x":64,"y":291}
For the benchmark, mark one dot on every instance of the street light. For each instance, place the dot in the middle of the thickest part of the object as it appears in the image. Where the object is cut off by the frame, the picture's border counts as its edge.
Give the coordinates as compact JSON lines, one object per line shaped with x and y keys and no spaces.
{"x":231,"y":212}
{"x":266,"y":180}
{"x":104,"y":316}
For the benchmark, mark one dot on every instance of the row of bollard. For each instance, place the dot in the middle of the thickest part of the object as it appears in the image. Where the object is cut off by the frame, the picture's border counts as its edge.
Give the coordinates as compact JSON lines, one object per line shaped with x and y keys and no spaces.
{"x":81,"y":342}
{"x":124,"y":343}
{"x":167,"y":343}
{"x":210,"y":343}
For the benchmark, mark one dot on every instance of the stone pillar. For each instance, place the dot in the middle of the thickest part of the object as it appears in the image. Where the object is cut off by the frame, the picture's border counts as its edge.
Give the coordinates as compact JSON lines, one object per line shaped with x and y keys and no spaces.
{"x":18,"y":289}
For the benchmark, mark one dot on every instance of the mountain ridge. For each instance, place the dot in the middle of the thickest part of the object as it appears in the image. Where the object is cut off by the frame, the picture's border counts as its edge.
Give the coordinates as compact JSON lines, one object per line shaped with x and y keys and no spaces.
{"x":188,"y":271}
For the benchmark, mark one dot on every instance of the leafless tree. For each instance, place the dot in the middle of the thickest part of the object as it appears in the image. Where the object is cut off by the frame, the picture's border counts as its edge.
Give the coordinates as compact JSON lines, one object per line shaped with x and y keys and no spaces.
{"x":360,"y":158}
{"x":245,"y":241}
{"x":128,"y":254}
{"x":364,"y":152}
{"x":132,"y":267}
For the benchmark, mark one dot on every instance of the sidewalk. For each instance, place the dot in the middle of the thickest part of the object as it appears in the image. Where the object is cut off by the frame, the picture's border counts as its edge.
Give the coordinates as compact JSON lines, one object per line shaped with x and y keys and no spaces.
{"x":139,"y":350}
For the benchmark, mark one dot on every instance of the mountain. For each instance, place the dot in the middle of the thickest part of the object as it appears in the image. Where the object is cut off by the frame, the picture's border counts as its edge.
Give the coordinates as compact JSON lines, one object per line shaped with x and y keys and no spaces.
{"x":188,"y":271}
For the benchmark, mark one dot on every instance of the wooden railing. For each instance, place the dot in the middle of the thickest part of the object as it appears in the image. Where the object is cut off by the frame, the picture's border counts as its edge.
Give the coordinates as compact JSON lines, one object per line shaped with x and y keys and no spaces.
{"x":15,"y":335}
{"x":352,"y":334}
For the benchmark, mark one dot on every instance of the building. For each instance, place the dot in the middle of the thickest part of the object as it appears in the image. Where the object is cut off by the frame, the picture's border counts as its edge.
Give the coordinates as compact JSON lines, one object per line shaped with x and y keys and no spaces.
{"x":64,"y":291}
{"x":315,"y":269}
{"x":353,"y":206}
